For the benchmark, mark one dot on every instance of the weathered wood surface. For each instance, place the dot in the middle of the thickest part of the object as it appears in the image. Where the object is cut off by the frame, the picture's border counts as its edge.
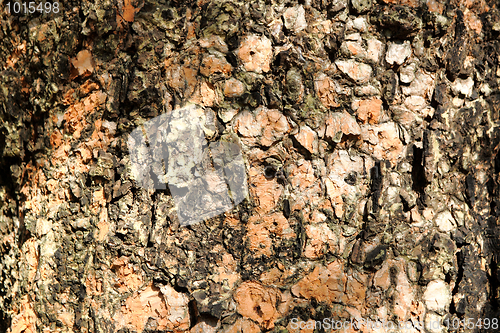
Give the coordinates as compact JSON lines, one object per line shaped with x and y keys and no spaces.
{"x":369,"y":131}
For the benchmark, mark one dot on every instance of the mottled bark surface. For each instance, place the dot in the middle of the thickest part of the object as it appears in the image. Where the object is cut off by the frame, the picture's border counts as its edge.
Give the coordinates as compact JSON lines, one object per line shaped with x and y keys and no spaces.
{"x":369,"y":131}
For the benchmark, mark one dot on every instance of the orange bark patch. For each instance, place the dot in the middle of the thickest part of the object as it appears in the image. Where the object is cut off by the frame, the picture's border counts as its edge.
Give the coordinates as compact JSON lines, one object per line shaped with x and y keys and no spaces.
{"x":472,"y":21}
{"x":368,"y":110}
{"x":98,"y":198}
{"x":355,"y":292}
{"x":66,"y":318}
{"x":256,"y":53}
{"x":233,"y":88}
{"x":205,"y":95}
{"x":167,"y":307}
{"x":384,"y":141}
{"x":85,"y":154}
{"x":231,"y":220}
{"x":126,"y":273}
{"x":355,"y":48}
{"x":227,"y":272}
{"x":307,"y":139}
{"x":83,"y":64}
{"x":174,"y":75}
{"x":382,"y":278}
{"x":302,"y":176}
{"x":260,"y":229}
{"x":258,"y":303}
{"x":30,"y":257}
{"x":272,"y":276}
{"x":265,"y":191}
{"x":34,"y":183}
{"x":56,"y":139}
{"x":25,"y":321}
{"x":190,"y":77}
{"x":87,"y":87}
{"x":339,"y":124}
{"x":191,"y":30}
{"x":126,"y":13}
{"x":325,"y":284}
{"x":69,"y":97}
{"x":183,"y":79}
{"x":214,"y":65}
{"x":405,"y":297}
{"x":320,"y":240}
{"x":325,"y":88}
{"x":102,"y":226}
{"x":26,"y":87}
{"x":269,"y":125}
{"x":93,"y":286}
{"x":51,"y":185}
{"x":479,"y":6}
{"x":75,"y":116}
{"x":275,"y":128}
{"x":129,"y":11}
{"x":41,"y":31}
{"x":61,"y":154}
{"x":411,"y":3}
{"x":435,"y":6}
{"x":14,"y":57}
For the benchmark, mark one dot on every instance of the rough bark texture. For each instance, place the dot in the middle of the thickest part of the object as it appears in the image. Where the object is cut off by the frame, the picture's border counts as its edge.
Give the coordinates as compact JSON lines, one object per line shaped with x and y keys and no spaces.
{"x":370,"y":136}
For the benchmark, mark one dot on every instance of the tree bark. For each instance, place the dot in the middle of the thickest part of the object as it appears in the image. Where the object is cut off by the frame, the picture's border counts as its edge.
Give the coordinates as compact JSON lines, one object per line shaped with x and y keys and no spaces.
{"x":369,"y":136}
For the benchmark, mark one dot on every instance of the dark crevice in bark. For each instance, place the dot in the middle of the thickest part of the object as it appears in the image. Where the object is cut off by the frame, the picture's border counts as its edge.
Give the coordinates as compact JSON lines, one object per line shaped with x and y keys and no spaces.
{"x":5,"y":321}
{"x":193,"y":313}
{"x":376,"y":185}
{"x":419,"y":181}
{"x":460,"y":262}
{"x":493,"y":279}
{"x":497,"y":163}
{"x":470,"y":183}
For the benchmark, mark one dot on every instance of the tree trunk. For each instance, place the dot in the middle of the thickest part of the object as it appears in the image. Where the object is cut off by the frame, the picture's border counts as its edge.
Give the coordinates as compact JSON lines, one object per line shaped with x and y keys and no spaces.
{"x":347,"y":167}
